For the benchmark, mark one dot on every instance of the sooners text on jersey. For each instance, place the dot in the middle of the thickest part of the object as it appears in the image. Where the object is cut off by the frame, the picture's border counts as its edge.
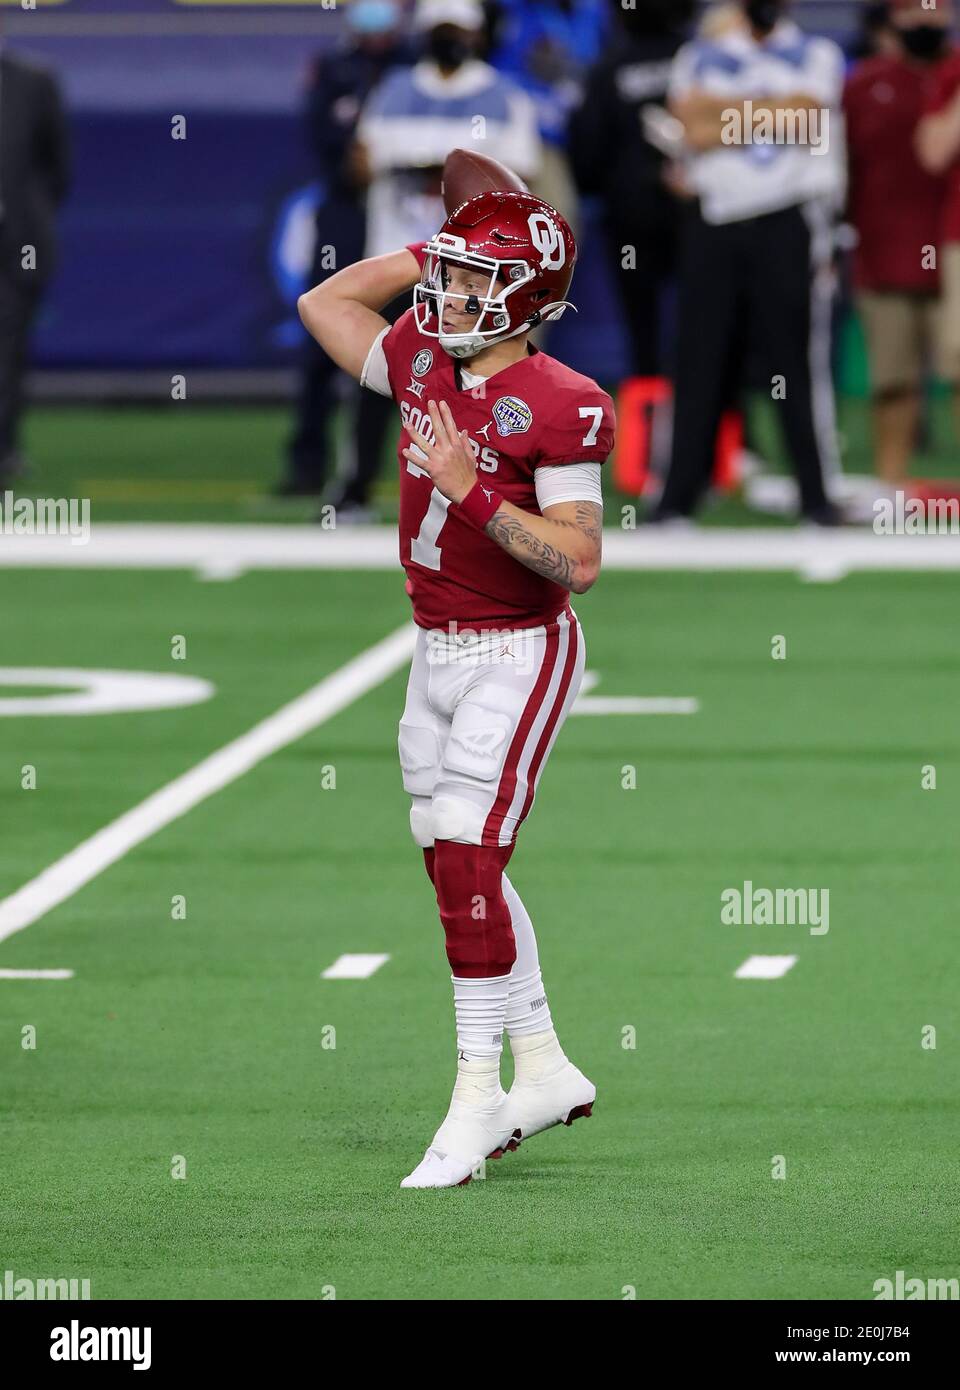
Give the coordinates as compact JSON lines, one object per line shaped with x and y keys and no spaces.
{"x":534,"y":414}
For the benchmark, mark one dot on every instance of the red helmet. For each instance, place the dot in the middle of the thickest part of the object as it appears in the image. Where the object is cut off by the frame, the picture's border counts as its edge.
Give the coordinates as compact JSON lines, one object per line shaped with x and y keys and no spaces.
{"x":526,"y":248}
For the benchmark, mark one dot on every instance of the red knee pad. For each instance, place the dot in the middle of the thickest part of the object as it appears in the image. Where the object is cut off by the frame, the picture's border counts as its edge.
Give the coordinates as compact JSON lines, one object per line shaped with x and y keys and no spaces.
{"x":473,"y":910}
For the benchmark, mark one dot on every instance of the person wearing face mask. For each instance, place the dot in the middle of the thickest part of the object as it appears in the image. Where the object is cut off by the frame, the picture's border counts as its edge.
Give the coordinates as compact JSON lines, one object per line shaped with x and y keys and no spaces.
{"x":759,"y":105}
{"x":896,"y":206}
{"x":451,"y":98}
{"x":338,"y":85}
{"x":927,"y":35}
{"x":410,"y":122}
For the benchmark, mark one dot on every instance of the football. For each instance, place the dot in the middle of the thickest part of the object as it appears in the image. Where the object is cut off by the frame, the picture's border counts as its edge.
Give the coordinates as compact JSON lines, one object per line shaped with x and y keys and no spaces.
{"x":466,"y":174}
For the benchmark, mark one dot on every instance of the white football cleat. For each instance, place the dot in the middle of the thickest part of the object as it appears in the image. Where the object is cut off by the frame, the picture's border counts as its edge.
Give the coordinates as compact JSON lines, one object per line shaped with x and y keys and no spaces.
{"x":559,"y":1099}
{"x":469,"y":1134}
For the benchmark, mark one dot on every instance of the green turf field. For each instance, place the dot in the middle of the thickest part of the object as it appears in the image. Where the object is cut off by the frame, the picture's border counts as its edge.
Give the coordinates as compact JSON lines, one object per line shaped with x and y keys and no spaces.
{"x":213,"y":463}
{"x":207,"y":1038}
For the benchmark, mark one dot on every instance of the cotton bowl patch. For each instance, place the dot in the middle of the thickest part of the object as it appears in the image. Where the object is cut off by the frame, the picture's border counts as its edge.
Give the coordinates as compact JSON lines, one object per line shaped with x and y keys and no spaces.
{"x":513,"y":416}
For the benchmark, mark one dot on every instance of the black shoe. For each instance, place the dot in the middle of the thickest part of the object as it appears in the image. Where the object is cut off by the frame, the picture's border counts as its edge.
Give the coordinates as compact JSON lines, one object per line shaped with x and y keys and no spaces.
{"x":828,"y":516}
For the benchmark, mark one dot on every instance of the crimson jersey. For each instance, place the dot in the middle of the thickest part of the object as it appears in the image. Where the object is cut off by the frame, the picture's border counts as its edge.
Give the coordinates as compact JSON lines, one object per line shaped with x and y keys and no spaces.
{"x":536,"y":413}
{"x":895,"y":205}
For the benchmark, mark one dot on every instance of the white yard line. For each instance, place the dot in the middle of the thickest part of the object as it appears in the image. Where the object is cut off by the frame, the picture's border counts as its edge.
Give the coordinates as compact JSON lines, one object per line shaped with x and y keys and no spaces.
{"x":36,"y":974}
{"x":635,"y":704}
{"x":588,"y":703}
{"x":765,"y":967}
{"x":333,"y":694}
{"x":227,"y":551}
{"x":354,"y":967}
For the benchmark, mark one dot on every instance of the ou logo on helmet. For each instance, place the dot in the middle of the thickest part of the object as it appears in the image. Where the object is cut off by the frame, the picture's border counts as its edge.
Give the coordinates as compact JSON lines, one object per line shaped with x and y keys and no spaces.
{"x":546,"y":237}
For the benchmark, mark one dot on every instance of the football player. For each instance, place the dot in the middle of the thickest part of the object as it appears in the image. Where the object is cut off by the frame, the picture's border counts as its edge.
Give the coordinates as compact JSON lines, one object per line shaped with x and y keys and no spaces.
{"x":500,"y":520}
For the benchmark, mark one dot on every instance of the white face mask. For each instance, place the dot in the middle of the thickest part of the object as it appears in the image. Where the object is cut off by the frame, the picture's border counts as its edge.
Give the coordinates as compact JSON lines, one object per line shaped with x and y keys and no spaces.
{"x":431,"y":295}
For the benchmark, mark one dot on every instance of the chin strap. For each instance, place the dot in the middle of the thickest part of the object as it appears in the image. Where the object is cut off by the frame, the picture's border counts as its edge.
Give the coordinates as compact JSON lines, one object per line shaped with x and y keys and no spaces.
{"x":551,"y":312}
{"x":548,"y":314}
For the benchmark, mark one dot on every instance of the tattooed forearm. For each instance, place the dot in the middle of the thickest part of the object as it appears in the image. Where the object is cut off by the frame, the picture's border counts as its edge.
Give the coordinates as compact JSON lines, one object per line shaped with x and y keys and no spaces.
{"x":516,"y":533}
{"x":589,"y":520}
{"x":510,"y":532}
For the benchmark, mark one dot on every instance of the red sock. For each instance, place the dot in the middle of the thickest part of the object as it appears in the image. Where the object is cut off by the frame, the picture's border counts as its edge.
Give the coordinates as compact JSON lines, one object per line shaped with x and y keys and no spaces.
{"x":473,"y":910}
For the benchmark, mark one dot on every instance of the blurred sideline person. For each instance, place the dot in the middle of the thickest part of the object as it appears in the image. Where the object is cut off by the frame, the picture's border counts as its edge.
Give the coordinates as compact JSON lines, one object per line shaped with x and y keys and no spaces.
{"x":34,"y":178}
{"x":613,"y":161}
{"x":339,"y":85}
{"x":756,"y":257}
{"x":938,"y":149}
{"x":722,"y":18}
{"x":546,"y":46}
{"x":896,"y":207}
{"x":410,"y":123}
